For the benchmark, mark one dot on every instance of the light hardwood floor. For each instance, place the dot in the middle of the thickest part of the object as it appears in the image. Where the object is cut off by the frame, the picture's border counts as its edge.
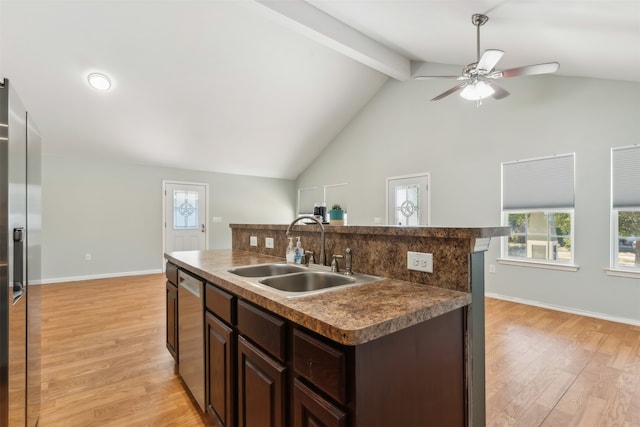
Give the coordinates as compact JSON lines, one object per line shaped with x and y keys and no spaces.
{"x":104,"y":362}
{"x":548,"y":368}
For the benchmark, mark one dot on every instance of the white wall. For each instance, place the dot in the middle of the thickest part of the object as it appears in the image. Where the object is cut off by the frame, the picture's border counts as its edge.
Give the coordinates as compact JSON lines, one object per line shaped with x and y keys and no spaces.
{"x":114,"y":211}
{"x":401,"y":132}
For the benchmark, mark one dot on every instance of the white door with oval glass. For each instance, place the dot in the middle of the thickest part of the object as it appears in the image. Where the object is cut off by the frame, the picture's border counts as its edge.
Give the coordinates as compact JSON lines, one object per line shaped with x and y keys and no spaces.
{"x":185,"y":225}
{"x":408,"y":200}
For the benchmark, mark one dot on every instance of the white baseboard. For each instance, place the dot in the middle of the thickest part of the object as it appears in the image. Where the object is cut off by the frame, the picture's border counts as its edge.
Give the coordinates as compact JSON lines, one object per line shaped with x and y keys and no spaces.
{"x":634,"y":322}
{"x":95,"y":276}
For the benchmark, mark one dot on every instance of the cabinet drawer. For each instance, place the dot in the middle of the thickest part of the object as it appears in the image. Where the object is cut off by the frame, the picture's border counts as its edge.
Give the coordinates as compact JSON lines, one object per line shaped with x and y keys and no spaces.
{"x":221,"y":303}
{"x":172,"y":273}
{"x":309,"y":408}
{"x":266,"y":330}
{"x":321,"y":364}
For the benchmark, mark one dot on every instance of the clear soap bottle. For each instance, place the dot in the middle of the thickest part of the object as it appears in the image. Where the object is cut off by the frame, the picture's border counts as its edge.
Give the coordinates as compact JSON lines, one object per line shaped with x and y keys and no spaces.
{"x":291,"y":252}
{"x":299,"y":253}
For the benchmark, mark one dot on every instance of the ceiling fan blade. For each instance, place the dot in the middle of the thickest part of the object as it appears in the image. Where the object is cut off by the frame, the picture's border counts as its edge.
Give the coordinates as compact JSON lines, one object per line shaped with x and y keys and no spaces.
{"x":498,"y":92}
{"x":440,"y":77}
{"x":488,"y":60}
{"x":450,"y":91}
{"x":527,"y":70}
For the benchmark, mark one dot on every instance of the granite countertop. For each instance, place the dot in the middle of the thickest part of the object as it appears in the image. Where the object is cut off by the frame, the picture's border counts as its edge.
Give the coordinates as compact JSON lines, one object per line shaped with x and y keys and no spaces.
{"x":350,"y":316}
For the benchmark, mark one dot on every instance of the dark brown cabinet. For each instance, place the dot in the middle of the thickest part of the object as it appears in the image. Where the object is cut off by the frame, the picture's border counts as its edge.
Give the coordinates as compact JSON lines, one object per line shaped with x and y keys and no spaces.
{"x":220,"y":357}
{"x":263,"y":370}
{"x":172,"y":320}
{"x":311,"y":410}
{"x":172,"y":310}
{"x":261,"y":388}
{"x":320,"y":364}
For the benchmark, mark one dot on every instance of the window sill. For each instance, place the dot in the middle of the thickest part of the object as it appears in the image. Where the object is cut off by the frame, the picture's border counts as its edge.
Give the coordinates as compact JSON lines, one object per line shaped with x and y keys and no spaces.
{"x":538,"y":264}
{"x":622,"y":273}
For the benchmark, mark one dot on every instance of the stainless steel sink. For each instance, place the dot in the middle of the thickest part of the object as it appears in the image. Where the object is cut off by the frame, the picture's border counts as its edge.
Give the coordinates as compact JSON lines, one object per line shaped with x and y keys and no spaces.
{"x":292,"y":280}
{"x":307,"y":281}
{"x":265,"y":270}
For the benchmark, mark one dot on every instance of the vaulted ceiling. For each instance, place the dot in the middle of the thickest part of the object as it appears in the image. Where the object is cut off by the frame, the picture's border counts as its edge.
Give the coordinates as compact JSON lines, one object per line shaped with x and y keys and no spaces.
{"x":261,"y":87}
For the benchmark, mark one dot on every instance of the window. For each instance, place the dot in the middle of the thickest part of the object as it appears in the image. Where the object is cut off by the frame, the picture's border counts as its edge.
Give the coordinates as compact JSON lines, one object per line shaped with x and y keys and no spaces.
{"x":185,"y":210}
{"x":538,"y":205}
{"x":407,"y":206}
{"x":625,"y":208}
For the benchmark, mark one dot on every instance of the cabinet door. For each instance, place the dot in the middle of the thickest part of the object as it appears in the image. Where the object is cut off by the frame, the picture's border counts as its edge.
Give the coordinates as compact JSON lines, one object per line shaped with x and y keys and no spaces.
{"x":220,"y":361}
{"x":311,"y":410}
{"x":261,"y":388}
{"x":172,"y":320}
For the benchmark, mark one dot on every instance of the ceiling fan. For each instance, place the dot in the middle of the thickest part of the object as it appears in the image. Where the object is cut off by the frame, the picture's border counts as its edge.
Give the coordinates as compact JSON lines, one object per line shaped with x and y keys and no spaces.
{"x":478,"y":77}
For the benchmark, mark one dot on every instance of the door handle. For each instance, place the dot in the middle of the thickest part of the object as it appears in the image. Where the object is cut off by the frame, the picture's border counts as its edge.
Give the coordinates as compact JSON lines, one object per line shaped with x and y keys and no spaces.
{"x":203,"y":228}
{"x":18,"y":263}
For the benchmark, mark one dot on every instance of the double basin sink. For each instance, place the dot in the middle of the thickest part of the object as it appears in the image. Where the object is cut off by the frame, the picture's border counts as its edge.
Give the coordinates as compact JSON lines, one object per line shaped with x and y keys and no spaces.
{"x":297,"y":280}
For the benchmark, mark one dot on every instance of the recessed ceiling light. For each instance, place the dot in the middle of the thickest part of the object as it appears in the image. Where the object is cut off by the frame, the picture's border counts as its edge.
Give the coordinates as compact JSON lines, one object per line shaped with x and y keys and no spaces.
{"x":99,"y":81}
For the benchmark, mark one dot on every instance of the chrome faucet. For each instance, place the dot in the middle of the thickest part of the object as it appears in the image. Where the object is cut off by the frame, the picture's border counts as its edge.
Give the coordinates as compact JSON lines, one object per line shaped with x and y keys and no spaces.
{"x":322,"y":259}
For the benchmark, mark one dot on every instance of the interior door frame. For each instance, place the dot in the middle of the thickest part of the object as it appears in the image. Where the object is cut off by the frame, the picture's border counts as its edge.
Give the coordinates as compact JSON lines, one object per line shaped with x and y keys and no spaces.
{"x":413,"y":175}
{"x":164,"y":216}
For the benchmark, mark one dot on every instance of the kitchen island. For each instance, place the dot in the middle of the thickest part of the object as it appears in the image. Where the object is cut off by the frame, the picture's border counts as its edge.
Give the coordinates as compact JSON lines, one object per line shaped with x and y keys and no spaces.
{"x":391,"y":352}
{"x":348,"y":316}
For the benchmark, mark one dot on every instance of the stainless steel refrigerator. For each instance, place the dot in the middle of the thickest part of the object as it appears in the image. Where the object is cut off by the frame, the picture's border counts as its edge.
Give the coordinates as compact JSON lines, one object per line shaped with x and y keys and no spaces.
{"x":20,"y":226}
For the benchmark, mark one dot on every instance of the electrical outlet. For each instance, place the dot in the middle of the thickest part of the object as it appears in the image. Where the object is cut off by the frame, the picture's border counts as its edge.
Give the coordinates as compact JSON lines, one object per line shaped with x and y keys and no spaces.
{"x":377,"y":220}
{"x":492,"y":268}
{"x":87,"y":257}
{"x":268,"y":242}
{"x":253,"y":241}
{"x":420,"y":261}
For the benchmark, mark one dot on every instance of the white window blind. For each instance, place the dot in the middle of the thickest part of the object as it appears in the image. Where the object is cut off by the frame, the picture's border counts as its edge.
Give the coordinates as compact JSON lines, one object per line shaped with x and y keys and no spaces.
{"x":336,"y":194}
{"x":545,"y":183}
{"x":307,"y":197}
{"x":625,"y":177}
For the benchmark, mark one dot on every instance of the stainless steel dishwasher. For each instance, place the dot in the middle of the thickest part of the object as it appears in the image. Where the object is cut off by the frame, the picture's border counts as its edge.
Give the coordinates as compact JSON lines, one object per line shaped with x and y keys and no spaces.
{"x":191,"y":335}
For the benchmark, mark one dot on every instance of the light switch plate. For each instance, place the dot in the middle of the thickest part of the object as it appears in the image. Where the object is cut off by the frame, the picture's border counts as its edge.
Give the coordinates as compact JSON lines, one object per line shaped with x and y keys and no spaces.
{"x":253,"y":240}
{"x":420,"y":261}
{"x":268,"y":242}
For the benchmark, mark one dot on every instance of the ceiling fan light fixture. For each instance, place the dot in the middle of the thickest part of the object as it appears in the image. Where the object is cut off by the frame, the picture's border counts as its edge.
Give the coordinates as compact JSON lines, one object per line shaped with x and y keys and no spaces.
{"x":477,"y":91}
{"x":480,"y":76}
{"x":99,"y":81}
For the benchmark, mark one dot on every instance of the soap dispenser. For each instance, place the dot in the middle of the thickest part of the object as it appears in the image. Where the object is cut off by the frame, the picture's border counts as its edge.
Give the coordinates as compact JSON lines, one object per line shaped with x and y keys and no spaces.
{"x":291,"y":251}
{"x":299,"y":253}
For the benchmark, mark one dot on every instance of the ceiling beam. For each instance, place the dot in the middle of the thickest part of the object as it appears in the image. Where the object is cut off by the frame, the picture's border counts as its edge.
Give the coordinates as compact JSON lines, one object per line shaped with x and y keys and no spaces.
{"x":334,"y":34}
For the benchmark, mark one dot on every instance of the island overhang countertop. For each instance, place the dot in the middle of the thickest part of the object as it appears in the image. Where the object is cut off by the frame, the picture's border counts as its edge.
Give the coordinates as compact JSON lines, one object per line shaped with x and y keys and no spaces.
{"x":350,"y":316}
